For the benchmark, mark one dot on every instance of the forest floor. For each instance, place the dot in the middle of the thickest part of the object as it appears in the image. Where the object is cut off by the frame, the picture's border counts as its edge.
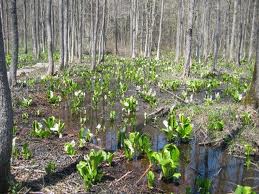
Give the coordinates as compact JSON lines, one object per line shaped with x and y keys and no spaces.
{"x":219,"y":144}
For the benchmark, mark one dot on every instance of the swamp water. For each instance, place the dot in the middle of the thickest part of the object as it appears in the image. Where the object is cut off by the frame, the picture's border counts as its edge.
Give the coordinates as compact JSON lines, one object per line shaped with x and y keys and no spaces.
{"x":224,"y":171}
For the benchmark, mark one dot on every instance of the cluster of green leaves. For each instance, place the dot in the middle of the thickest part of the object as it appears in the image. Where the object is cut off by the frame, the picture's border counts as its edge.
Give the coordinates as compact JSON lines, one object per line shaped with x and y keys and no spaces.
{"x":248,"y":151}
{"x":244,"y":190}
{"x":171,"y":84}
{"x":215,"y":121}
{"x":25,"y":102}
{"x":136,"y":144}
{"x":52,"y":125}
{"x":50,"y":167}
{"x":246,"y":118}
{"x":85,"y":135}
{"x":69,"y":148}
{"x":89,"y":168}
{"x":148,"y":96}
{"x":195,"y":85}
{"x":168,"y":160}
{"x":52,"y":98}
{"x":203,"y":185}
{"x":129,"y":105}
{"x":180,"y":128}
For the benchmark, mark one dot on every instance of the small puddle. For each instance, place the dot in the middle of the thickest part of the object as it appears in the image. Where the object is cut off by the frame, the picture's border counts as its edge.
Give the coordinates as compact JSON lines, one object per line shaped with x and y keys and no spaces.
{"x":225,"y":171}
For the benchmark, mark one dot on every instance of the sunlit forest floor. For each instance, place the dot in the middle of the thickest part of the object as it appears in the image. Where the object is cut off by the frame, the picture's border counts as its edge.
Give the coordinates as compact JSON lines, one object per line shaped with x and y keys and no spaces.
{"x":124,"y":95}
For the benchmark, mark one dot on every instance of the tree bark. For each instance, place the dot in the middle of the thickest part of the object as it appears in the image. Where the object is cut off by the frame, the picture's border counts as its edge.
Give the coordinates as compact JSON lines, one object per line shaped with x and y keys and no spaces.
{"x":6,"y":120}
{"x":188,"y":51}
{"x":217,"y":34}
{"x":233,"y":34}
{"x":15,"y":43}
{"x":50,"y":41}
{"x":61,"y":33}
{"x":253,"y":29}
{"x":65,"y":2}
{"x":160,"y":30}
{"x":25,"y":41}
{"x":179,"y":30}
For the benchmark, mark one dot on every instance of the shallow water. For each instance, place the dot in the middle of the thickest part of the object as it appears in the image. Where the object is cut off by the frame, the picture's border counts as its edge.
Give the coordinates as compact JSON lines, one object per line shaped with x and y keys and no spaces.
{"x":225,"y":171}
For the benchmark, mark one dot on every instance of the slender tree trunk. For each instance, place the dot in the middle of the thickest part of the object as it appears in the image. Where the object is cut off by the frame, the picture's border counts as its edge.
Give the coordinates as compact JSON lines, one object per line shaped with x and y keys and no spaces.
{"x":6,"y":120}
{"x":102,"y":35}
{"x":65,"y":2}
{"x":153,"y":17}
{"x":160,"y":30}
{"x":252,"y":36}
{"x":179,"y":30}
{"x":253,"y":94}
{"x":50,"y":41}
{"x":94,"y":36}
{"x":206,"y":30}
{"x":116,"y":26}
{"x":7,"y":38}
{"x":188,"y":52}
{"x":133,"y":28}
{"x":25,"y":41}
{"x":217,"y":34}
{"x":240,"y":34}
{"x":15,"y":43}
{"x":233,"y":34}
{"x":61,"y":33}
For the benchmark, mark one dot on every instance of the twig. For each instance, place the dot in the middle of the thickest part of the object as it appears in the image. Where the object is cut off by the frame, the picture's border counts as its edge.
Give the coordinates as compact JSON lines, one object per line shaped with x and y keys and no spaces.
{"x":118,"y":180}
{"x":146,"y":171}
{"x":174,"y":95}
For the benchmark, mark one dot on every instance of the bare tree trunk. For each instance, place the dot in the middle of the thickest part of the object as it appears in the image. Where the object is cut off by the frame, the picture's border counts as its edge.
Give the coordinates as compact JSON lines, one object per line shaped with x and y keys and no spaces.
{"x":206,"y":30}
{"x":151,"y":29}
{"x":116,"y":26}
{"x":188,"y":52}
{"x":160,"y":30}
{"x":65,"y":33}
{"x":15,"y":43}
{"x":102,"y":35}
{"x":233,"y":34}
{"x":61,"y":33}
{"x":133,"y":28}
{"x":94,"y":34}
{"x":7,"y":38}
{"x":252,"y":36}
{"x":34,"y":49}
{"x":50,"y":41}
{"x":6,"y":120}
{"x":25,"y":41}
{"x":217,"y":34}
{"x":240,"y":34}
{"x":147,"y":30}
{"x":179,"y":30}
{"x":253,"y":94}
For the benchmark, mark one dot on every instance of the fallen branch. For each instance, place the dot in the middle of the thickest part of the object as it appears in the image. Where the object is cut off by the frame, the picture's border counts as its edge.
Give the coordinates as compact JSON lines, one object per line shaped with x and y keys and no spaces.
{"x":118,"y":180}
{"x":146,"y":171}
{"x":174,"y":95}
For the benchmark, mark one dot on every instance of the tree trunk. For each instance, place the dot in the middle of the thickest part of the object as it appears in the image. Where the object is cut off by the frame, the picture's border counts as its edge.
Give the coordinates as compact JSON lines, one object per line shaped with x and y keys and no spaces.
{"x":94,"y":34}
{"x":252,"y":97}
{"x":6,"y":120}
{"x":217,"y":34}
{"x":25,"y":41}
{"x":179,"y":30}
{"x":116,"y":26}
{"x":15,"y":43}
{"x":252,"y":36}
{"x":188,"y":52}
{"x":61,"y":33}
{"x":65,"y":33}
{"x":160,"y":30}
{"x":233,"y":34}
{"x":153,"y":17}
{"x":50,"y":41}
{"x":240,"y":34}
